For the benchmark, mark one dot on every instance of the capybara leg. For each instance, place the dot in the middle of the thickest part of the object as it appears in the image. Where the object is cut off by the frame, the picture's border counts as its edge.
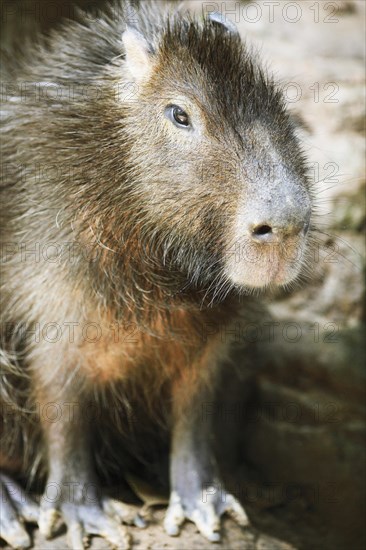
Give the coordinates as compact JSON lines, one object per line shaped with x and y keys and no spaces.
{"x":17,"y":508}
{"x":197,"y":493}
{"x":72,"y":493}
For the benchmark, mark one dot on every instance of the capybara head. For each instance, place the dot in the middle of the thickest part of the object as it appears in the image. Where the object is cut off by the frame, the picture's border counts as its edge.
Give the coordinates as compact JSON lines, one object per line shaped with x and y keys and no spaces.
{"x":213,"y":153}
{"x":194,"y":160}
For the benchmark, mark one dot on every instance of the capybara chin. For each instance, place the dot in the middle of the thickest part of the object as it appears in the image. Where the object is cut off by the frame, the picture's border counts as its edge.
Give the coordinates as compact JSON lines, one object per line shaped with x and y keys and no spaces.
{"x":151,"y":176}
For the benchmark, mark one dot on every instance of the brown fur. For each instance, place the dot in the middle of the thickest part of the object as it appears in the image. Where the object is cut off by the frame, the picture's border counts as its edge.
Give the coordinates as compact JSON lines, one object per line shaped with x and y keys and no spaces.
{"x":151,"y":215}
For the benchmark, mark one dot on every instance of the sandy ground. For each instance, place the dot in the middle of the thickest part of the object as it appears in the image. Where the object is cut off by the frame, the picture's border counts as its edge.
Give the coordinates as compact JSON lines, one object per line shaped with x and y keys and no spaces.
{"x":154,"y":538}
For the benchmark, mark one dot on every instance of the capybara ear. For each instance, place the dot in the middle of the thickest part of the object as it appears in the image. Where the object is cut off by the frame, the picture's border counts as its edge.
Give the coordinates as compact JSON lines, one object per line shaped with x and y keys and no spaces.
{"x":139,"y":55}
{"x":218,"y":19}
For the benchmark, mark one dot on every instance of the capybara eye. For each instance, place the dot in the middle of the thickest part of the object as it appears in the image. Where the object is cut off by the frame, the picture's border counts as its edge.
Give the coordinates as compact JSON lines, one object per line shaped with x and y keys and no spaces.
{"x":178,"y":116}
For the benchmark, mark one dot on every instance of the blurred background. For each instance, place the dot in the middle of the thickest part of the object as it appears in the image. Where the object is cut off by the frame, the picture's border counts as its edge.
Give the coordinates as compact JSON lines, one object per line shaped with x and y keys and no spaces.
{"x":291,"y":427}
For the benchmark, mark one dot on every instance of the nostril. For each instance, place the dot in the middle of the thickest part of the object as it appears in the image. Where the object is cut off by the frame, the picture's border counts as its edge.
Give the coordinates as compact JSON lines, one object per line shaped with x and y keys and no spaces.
{"x":260,"y":230}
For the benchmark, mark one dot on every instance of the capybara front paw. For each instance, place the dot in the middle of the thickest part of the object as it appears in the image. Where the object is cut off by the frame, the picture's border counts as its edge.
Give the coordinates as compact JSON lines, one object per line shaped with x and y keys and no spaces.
{"x":16,"y":510}
{"x":205,"y":510}
{"x":104,"y":519}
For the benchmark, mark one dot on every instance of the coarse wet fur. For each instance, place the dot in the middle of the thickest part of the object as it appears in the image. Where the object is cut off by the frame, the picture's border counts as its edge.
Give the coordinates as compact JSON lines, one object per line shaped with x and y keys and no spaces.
{"x":128,"y":238}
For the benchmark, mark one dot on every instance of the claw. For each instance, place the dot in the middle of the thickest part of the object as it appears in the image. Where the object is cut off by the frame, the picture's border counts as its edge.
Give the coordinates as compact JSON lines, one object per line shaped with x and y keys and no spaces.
{"x":76,"y":538}
{"x":175,"y":516}
{"x":236,"y":511}
{"x":48,"y":518}
{"x":207,"y":522}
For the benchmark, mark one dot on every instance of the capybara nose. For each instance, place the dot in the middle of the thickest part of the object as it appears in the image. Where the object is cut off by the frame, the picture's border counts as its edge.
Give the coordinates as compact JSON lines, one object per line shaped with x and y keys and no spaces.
{"x":274,"y":233}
